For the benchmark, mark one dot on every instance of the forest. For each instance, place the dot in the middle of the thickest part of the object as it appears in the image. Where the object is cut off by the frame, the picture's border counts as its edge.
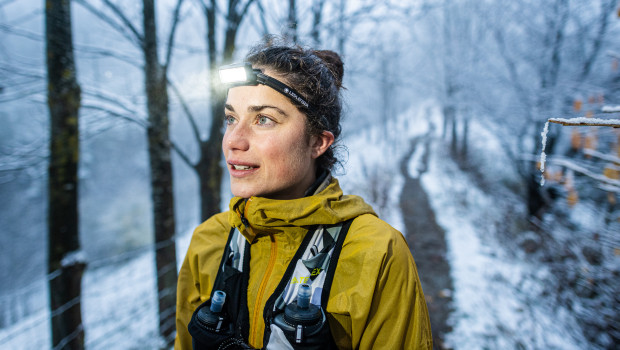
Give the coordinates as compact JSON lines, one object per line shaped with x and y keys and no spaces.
{"x":486,"y":131}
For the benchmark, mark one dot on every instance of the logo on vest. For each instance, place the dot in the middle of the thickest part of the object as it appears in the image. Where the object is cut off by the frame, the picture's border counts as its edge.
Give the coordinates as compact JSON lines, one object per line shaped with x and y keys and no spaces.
{"x":302,"y":279}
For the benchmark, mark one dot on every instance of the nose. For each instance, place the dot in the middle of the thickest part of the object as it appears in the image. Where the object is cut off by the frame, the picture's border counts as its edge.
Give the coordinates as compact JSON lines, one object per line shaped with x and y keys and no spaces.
{"x":236,"y":138}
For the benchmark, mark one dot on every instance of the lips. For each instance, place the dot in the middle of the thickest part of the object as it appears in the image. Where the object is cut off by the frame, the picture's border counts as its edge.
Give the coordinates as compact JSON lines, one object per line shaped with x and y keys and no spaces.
{"x":241,"y":168}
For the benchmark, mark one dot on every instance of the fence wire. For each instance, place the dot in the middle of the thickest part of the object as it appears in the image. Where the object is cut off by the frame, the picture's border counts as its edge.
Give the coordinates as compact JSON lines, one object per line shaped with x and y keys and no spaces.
{"x":119,"y":303}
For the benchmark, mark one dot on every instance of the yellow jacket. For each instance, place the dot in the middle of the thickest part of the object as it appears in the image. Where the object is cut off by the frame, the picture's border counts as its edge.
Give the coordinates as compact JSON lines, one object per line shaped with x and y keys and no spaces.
{"x":376,"y":301}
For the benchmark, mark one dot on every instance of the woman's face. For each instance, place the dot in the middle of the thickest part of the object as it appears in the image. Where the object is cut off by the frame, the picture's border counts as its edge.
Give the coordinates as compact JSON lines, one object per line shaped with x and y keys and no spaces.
{"x":266,"y":147}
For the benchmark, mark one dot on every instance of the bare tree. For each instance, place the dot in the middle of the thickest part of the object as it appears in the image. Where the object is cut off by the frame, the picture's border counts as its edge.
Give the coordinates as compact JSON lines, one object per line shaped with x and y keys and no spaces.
{"x":64,"y":261}
{"x":161,"y":170}
{"x":291,"y":26}
{"x":159,"y":146}
{"x":317,"y":15}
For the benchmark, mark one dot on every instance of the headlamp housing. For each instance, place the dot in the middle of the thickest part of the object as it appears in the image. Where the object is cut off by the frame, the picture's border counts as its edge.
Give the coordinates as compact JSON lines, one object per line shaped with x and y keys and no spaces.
{"x":242,"y":74}
{"x":237,"y":74}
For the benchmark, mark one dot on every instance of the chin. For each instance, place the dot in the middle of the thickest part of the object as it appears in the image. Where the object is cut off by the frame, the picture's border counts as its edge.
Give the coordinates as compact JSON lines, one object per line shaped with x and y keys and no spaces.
{"x":244,"y":192}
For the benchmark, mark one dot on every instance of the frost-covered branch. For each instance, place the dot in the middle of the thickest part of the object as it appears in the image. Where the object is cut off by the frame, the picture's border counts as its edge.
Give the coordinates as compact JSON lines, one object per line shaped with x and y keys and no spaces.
{"x":615,"y":123}
{"x":603,"y":156}
{"x":611,"y":185}
{"x":611,"y":109}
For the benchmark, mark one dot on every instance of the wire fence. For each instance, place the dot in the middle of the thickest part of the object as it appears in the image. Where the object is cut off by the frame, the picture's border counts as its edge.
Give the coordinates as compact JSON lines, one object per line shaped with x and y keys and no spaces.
{"x":119,"y":303}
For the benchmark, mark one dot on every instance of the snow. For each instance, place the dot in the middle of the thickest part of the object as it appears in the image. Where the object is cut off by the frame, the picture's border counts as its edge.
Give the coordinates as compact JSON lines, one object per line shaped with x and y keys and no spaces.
{"x":119,"y":306}
{"x":543,"y":155}
{"x":611,"y":109}
{"x":495,"y":297}
{"x":586,"y":121}
{"x":73,"y":258}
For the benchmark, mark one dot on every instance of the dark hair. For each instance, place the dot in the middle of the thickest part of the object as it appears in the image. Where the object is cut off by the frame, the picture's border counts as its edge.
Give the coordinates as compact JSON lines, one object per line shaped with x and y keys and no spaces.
{"x":315,"y":74}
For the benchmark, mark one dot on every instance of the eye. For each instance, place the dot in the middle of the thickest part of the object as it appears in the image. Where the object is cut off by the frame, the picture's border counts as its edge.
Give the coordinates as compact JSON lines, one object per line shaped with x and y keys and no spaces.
{"x":229,"y":120}
{"x":264,"y":120}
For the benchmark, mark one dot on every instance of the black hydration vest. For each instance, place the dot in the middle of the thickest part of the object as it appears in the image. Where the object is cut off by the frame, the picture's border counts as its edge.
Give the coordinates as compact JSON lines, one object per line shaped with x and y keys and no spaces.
{"x":313,"y":264}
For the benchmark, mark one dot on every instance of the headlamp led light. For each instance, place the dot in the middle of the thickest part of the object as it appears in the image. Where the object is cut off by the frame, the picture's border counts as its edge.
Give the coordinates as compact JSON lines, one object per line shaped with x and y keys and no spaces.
{"x":242,"y":74}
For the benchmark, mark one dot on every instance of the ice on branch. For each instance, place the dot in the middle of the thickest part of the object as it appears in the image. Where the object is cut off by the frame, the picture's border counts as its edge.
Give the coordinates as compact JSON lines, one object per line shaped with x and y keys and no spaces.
{"x":543,"y":155}
{"x":615,"y":123}
{"x":73,"y":258}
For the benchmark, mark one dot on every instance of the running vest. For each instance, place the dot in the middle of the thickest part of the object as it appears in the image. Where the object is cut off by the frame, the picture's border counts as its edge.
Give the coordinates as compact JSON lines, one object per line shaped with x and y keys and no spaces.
{"x":313,"y":264}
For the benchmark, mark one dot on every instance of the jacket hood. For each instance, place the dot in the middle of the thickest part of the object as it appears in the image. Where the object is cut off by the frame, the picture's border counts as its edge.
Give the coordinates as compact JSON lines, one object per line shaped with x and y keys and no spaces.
{"x":257,"y":215}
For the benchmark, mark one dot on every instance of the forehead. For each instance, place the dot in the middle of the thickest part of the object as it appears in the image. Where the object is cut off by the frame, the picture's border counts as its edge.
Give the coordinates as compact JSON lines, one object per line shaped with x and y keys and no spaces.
{"x":258,"y":95}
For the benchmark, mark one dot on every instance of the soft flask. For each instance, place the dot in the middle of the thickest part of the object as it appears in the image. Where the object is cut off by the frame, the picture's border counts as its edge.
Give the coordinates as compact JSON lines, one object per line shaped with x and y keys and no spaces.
{"x":210,"y":327}
{"x":303,"y":324}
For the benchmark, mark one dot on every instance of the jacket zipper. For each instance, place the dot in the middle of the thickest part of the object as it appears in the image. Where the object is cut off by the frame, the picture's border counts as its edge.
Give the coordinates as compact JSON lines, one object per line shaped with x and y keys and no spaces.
{"x":261,"y":290}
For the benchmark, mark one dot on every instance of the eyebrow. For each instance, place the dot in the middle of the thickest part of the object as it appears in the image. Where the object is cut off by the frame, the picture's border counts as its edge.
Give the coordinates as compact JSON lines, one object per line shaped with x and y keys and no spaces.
{"x":258,"y":109}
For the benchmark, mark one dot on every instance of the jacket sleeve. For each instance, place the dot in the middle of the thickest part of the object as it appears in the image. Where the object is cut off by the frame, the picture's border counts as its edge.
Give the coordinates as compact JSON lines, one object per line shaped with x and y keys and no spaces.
{"x":376,"y":300}
{"x":398,"y":316}
{"x":198,"y":273}
{"x":188,"y":299}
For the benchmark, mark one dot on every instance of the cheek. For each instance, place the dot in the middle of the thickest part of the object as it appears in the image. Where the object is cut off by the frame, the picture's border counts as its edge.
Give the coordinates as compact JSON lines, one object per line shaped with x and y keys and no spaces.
{"x":287,"y":155}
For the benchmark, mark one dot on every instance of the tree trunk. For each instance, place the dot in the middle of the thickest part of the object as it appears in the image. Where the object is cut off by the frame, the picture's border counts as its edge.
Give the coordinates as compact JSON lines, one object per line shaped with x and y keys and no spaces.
{"x":317,"y":11}
{"x":465,"y":137}
{"x":292,"y":21}
{"x":209,"y":169}
{"x":161,"y":177}
{"x":65,"y":265}
{"x":341,"y":26}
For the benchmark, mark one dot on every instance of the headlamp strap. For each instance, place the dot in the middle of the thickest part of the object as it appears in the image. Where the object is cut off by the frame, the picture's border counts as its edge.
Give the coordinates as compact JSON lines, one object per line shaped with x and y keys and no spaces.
{"x":281,"y":88}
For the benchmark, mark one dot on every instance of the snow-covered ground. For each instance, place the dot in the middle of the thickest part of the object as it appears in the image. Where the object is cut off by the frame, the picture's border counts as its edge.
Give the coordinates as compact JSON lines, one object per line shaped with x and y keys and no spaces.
{"x":496,"y":298}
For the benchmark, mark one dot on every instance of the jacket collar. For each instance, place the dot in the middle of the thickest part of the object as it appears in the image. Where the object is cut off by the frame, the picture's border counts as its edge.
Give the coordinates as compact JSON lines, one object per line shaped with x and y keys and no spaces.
{"x":257,"y":215}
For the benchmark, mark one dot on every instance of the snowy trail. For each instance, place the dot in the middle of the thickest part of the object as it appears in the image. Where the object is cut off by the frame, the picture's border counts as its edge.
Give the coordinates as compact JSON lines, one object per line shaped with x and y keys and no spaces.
{"x":426,"y":239}
{"x":497,"y":303}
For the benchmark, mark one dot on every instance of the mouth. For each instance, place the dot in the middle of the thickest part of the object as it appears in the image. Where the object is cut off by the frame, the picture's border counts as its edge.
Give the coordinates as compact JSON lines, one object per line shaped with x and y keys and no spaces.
{"x":241,"y":168}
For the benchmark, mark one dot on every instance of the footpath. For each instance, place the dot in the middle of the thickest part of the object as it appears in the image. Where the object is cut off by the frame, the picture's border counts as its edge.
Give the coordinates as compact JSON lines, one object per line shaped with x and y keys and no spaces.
{"x":426,"y":240}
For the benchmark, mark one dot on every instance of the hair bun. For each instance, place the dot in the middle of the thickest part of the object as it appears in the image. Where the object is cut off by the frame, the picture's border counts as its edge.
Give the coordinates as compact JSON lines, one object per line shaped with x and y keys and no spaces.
{"x":333,"y":62}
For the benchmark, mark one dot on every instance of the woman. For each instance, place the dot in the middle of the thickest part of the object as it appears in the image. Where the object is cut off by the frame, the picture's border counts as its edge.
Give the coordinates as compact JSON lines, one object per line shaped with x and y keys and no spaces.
{"x":290,"y":228}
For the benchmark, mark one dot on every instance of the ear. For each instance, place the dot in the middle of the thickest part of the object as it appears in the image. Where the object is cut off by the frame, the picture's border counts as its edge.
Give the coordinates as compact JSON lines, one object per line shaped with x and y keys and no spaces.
{"x":321,"y":142}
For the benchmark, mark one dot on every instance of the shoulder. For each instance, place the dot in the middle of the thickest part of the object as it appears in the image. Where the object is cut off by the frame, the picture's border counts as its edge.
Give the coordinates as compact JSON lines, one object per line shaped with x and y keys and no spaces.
{"x":369,"y":232}
{"x":373,"y":248}
{"x":209,"y":237}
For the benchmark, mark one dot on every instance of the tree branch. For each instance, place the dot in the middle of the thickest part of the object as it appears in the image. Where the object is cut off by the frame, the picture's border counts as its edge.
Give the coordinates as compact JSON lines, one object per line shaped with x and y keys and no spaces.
{"x":21,"y":32}
{"x":173,"y":28}
{"x":244,"y":10}
{"x":611,"y":184}
{"x":142,"y":123}
{"x":139,"y":37}
{"x":261,"y":10}
{"x":113,"y":99}
{"x":188,"y":113}
{"x":603,"y":156}
{"x":182,"y":155}
{"x":133,"y":36}
{"x":101,"y":52}
{"x":606,"y":8}
{"x":615,"y":123}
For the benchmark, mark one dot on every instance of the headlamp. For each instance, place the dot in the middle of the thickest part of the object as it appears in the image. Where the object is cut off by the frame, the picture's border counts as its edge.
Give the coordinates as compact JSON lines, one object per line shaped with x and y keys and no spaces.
{"x":242,"y":74}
